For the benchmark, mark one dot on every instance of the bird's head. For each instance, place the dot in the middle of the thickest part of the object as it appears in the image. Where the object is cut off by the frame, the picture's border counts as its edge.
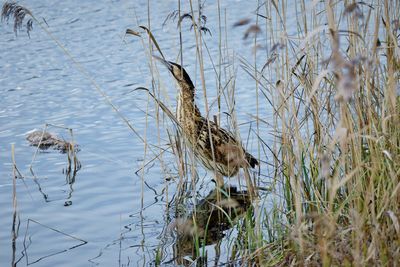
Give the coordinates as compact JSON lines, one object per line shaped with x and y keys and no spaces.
{"x":177,"y":71}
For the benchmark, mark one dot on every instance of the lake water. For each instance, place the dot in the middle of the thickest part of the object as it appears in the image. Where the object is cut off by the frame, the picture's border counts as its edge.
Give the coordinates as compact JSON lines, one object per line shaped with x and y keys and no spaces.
{"x":112,"y":218}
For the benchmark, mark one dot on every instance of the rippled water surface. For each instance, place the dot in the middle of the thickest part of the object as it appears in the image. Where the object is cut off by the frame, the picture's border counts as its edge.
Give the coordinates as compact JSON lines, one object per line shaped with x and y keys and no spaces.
{"x":113,"y":217}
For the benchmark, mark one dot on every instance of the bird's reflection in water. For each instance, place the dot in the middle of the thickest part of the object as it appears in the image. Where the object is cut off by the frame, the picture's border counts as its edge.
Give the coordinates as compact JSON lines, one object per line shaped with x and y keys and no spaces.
{"x":206,"y":224}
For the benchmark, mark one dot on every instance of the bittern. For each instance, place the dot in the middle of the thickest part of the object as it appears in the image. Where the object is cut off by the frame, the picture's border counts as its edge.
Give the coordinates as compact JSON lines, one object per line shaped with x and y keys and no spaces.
{"x":215,"y":147}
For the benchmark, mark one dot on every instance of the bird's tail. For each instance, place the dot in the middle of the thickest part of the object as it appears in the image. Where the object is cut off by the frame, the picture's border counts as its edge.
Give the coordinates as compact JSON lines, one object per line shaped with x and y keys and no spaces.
{"x":251,"y":160}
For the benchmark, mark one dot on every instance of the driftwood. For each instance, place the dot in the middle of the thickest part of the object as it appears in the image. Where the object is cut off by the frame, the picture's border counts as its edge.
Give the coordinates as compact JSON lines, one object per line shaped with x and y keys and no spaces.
{"x":46,"y":140}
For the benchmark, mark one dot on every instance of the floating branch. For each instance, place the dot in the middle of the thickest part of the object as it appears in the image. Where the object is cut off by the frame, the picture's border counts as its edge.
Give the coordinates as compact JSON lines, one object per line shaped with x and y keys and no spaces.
{"x":44,"y":140}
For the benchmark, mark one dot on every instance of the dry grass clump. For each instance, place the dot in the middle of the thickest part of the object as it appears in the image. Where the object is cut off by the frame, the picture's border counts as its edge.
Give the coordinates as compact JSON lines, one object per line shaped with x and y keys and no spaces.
{"x":338,"y":145}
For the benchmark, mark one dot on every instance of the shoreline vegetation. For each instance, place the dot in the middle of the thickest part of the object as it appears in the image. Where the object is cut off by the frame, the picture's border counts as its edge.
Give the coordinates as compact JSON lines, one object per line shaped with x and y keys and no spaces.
{"x":334,"y":198}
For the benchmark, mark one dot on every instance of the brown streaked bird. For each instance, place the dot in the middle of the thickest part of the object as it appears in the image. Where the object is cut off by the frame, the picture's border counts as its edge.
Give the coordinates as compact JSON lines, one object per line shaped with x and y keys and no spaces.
{"x":229,"y":156}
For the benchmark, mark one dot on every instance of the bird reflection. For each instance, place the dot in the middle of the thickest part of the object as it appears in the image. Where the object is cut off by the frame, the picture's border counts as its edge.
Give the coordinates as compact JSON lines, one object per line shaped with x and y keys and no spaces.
{"x":206,"y":224}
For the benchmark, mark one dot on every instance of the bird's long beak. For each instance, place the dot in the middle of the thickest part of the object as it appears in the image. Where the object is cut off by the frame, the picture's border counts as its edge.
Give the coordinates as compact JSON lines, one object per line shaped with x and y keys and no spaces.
{"x":164,"y":62}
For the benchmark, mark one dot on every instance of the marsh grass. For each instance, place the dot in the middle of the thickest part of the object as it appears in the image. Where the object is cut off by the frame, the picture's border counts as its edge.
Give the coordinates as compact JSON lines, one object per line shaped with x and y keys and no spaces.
{"x":335,"y":94}
{"x":333,"y":87}
{"x":336,"y":105}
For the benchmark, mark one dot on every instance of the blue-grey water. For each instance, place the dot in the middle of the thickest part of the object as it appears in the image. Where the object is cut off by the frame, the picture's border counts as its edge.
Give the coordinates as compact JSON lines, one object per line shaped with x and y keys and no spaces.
{"x":114,"y":219}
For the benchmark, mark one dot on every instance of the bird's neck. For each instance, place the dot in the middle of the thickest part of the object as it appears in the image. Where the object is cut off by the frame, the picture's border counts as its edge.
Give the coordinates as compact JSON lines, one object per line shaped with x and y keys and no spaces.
{"x":188,"y":112}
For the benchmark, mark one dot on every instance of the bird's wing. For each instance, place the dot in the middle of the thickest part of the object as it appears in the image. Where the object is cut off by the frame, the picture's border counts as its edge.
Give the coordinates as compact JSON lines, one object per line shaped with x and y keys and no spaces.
{"x":225,"y":145}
